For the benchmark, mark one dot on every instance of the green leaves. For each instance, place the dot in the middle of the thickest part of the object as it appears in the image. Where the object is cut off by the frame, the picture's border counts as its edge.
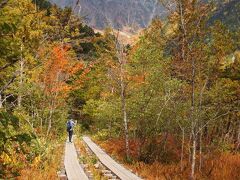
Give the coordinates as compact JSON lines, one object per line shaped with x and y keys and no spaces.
{"x":8,"y":120}
{"x":21,"y":138}
{"x":11,"y":131}
{"x":13,"y":141}
{"x":6,"y":28}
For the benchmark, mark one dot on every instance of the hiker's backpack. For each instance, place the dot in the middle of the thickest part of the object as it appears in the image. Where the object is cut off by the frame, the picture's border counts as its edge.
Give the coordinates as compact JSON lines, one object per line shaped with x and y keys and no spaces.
{"x":69,"y":126}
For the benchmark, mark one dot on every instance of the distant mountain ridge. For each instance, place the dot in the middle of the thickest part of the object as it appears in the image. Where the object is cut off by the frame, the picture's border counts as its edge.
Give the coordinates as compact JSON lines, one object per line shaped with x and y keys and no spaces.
{"x":132,"y":15}
{"x":119,"y":14}
{"x":228,"y":14}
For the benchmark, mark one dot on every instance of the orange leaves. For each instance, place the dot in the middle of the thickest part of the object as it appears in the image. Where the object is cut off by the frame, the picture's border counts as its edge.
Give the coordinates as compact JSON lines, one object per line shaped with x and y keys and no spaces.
{"x":61,"y":72}
{"x":76,"y":68}
{"x":55,"y":69}
{"x":139,"y":79}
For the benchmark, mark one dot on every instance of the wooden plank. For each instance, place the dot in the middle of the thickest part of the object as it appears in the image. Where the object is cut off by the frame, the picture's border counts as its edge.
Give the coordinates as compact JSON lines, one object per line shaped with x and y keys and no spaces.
{"x":73,"y":169}
{"x":111,"y":164}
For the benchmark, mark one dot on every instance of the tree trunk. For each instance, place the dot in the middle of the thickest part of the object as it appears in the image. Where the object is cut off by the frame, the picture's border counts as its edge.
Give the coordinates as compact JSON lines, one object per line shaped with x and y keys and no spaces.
{"x":21,"y":78}
{"x":41,"y":124}
{"x":110,"y":127}
{"x":50,"y":118}
{"x":193,"y":122}
{"x":200,"y":151}
{"x":182,"y":150}
{"x":238,"y":138}
{"x":193,"y":159}
{"x":122,"y":62}
{"x":126,"y":132}
{"x":190,"y":149}
{"x":50,"y":122}
{"x":124,"y":111}
{"x":1,"y":101}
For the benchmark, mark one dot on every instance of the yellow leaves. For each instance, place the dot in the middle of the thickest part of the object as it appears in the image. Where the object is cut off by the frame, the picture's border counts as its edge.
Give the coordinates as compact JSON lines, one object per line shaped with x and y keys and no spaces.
{"x":36,"y":161}
{"x":238,"y":114}
{"x":6,"y":158}
{"x":105,"y":94}
{"x":36,"y":34}
{"x":40,"y":169}
{"x":110,"y":63}
{"x":237,"y":56}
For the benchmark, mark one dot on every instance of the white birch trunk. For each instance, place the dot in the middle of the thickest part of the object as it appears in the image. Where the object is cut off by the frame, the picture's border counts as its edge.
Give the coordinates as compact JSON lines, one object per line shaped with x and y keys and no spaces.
{"x":21,"y":68}
{"x":122,"y":62}
{"x":50,"y":121}
{"x":193,"y":119}
{"x":182,"y":150}
{"x":193,"y":159}
{"x":200,"y":151}
{"x":1,"y":101}
{"x":124,"y":111}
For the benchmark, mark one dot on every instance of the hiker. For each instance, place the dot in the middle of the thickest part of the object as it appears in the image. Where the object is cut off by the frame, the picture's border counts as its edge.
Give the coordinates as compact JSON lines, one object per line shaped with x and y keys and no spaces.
{"x":70,"y":125}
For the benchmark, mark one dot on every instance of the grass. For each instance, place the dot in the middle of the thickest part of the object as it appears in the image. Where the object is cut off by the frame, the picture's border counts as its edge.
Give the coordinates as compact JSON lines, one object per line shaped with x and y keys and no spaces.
{"x":89,"y":160}
{"x":216,"y":166}
{"x":44,"y":168}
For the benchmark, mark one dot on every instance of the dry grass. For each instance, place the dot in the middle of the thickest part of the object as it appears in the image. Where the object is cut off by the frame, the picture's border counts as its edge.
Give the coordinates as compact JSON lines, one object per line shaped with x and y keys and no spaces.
{"x":88,"y":160}
{"x":117,"y":148}
{"x":216,"y":166}
{"x":226,"y":166}
{"x":44,"y":169}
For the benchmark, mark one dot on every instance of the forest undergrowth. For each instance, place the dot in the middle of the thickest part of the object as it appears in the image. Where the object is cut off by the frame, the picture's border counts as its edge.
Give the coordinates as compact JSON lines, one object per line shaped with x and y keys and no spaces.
{"x":45,"y":167}
{"x":215,"y":166}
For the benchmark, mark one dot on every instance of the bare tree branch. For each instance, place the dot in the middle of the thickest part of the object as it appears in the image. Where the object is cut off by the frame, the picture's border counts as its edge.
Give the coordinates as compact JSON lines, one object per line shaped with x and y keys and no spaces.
{"x":8,"y":64}
{"x":215,"y":118}
{"x":3,"y":3}
{"x":9,"y":82}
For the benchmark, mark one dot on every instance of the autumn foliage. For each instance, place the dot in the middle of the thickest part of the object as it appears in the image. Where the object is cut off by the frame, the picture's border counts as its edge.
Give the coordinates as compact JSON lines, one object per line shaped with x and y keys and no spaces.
{"x":58,"y":69}
{"x":44,"y":168}
{"x":217,"y":165}
{"x":42,"y":64}
{"x":61,"y":73}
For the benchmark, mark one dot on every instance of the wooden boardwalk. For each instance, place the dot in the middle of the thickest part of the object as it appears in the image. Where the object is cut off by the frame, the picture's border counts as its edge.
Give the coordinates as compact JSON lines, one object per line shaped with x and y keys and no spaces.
{"x":111,"y":164}
{"x":73,"y":169}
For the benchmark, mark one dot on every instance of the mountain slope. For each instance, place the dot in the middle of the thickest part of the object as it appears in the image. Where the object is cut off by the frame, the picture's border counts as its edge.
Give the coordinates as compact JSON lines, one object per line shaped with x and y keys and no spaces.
{"x":131,"y":15}
{"x":228,"y":14}
{"x":115,"y":13}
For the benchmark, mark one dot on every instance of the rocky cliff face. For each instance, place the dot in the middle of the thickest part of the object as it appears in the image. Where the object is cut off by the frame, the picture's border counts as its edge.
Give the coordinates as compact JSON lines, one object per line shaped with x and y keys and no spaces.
{"x":132,"y":14}
{"x":229,"y":14}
